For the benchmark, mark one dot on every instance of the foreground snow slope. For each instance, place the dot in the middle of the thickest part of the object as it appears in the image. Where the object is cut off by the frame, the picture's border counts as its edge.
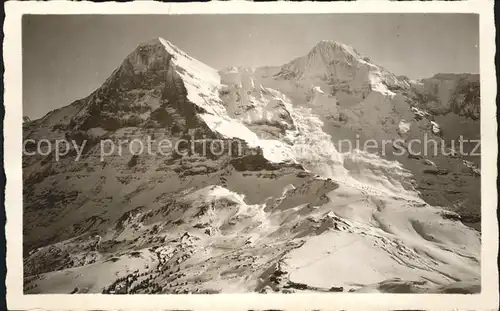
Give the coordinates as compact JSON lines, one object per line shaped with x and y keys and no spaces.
{"x":290,"y":212}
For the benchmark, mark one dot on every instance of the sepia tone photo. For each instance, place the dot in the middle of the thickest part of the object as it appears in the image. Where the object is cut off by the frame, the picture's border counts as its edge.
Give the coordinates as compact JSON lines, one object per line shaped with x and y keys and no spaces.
{"x":290,"y":160}
{"x":323,"y":153}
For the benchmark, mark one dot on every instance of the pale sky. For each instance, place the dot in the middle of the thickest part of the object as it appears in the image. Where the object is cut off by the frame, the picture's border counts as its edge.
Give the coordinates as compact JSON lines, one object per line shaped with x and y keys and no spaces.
{"x":65,"y":58}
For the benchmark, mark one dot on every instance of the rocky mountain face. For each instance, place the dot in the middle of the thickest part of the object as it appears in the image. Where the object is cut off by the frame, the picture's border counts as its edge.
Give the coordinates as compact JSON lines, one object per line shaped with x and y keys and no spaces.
{"x":453,"y":101}
{"x":282,"y":208}
{"x":450,"y":93}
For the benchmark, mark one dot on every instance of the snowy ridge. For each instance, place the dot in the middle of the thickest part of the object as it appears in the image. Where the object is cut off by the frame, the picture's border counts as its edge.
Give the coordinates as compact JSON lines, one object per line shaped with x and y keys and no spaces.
{"x":339,"y":63}
{"x":201,"y":81}
{"x":203,"y":84}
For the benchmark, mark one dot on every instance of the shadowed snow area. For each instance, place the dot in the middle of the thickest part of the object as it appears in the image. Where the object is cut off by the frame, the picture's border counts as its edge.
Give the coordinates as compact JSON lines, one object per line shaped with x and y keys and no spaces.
{"x":291,"y":213}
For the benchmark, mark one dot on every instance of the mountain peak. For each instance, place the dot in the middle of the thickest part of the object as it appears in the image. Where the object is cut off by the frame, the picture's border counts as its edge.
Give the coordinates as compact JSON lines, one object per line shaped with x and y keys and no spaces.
{"x":325,"y":60}
{"x":332,"y":48}
{"x":156,"y":41}
{"x":328,"y":43}
{"x":341,"y":65}
{"x":148,"y":54}
{"x":154,"y":50}
{"x":153,"y":41}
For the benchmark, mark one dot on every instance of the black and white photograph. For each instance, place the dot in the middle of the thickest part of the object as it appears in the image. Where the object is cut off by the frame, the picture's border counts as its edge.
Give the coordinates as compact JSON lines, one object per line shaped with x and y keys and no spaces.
{"x":252,"y":153}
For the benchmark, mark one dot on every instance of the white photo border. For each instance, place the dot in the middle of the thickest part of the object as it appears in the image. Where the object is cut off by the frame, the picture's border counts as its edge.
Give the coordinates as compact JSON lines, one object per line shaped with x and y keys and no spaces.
{"x":16,"y":299}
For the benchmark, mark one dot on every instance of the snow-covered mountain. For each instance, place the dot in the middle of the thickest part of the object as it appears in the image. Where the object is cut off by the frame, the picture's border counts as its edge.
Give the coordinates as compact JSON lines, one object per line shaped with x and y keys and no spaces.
{"x":338,"y":85}
{"x":342,"y":67}
{"x":289,"y":211}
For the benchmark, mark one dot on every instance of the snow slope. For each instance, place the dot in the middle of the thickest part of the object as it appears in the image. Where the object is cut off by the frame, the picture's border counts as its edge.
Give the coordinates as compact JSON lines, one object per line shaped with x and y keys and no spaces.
{"x":298,"y":216}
